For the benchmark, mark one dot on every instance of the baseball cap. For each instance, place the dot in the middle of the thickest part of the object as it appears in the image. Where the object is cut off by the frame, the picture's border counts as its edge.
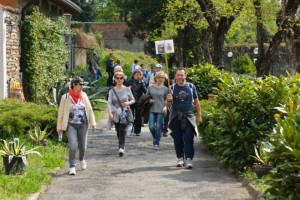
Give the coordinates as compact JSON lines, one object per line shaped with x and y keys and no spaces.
{"x":158,"y":65}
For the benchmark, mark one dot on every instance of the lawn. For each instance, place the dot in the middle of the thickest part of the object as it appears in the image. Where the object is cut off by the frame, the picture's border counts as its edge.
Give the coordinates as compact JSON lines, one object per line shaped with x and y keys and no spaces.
{"x":36,"y":174}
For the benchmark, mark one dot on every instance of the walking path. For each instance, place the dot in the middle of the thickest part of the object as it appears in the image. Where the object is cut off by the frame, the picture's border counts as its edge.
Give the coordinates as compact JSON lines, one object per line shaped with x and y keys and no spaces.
{"x":143,"y":173}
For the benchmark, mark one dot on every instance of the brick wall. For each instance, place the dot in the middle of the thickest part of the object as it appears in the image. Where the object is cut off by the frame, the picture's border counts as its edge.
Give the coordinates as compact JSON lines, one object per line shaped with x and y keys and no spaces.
{"x":113,"y":35}
{"x":12,"y":48}
{"x":11,"y":3}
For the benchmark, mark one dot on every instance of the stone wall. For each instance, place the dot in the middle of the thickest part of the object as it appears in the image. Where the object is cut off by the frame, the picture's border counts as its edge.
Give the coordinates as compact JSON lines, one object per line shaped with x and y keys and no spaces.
{"x":12,"y":47}
{"x":279,"y":64}
{"x":9,"y":48}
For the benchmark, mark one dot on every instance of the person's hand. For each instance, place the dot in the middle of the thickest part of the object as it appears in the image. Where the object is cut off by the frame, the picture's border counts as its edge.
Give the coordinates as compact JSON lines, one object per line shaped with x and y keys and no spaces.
{"x":169,"y":97}
{"x":95,"y":72}
{"x":126,"y":103}
{"x":58,"y":132}
{"x":165,"y":110}
{"x":111,"y":116}
{"x":94,"y":128}
{"x":151,"y":101}
{"x":199,"y":120}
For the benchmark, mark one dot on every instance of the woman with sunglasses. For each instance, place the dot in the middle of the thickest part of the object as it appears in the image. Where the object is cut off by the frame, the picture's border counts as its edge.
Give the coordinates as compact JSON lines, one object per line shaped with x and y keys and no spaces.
{"x":116,"y":111}
{"x":158,"y":93}
{"x":75,"y":115}
{"x":138,"y":88}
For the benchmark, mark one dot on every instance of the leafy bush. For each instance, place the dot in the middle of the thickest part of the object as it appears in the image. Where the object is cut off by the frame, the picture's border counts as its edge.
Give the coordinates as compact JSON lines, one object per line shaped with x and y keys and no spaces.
{"x":243,"y":65}
{"x":45,"y":55}
{"x":244,"y":116}
{"x":16,"y":119}
{"x":205,"y":78}
{"x":284,"y":182}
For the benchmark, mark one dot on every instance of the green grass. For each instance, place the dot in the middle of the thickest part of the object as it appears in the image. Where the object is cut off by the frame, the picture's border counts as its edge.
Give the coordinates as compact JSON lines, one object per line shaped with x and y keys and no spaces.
{"x":36,"y":174}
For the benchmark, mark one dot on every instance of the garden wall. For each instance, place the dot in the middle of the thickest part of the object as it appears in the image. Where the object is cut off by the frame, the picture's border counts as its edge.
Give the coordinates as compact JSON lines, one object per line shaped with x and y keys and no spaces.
{"x":279,"y":61}
{"x":113,"y":35}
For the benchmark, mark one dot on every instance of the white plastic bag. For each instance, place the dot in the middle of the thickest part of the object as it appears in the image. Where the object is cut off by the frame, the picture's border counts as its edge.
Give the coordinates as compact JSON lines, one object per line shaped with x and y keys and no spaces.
{"x":129,"y":129}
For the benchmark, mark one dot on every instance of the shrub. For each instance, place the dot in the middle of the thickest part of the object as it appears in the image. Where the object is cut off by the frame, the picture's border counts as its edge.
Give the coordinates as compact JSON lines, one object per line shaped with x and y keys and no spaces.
{"x":243,"y":65}
{"x":205,"y":78}
{"x":285,"y":153}
{"x":244,"y":116}
{"x":16,"y":119}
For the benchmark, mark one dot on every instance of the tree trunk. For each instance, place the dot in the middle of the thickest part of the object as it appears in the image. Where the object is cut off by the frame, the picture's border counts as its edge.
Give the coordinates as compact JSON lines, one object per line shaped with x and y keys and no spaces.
{"x":218,"y":42}
{"x":179,"y":50}
{"x":259,"y":34}
{"x":291,"y":47}
{"x":266,"y":62}
{"x":205,"y":45}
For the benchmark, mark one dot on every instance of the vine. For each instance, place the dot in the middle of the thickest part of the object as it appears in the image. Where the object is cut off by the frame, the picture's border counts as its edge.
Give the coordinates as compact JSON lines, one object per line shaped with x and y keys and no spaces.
{"x":45,"y":56}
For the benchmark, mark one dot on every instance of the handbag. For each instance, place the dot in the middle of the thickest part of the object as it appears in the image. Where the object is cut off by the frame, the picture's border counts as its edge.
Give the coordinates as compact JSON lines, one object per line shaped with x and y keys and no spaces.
{"x":129,"y":115}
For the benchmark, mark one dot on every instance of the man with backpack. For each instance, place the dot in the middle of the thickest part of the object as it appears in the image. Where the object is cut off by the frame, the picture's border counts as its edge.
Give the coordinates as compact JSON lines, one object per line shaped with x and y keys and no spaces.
{"x":182,"y":119}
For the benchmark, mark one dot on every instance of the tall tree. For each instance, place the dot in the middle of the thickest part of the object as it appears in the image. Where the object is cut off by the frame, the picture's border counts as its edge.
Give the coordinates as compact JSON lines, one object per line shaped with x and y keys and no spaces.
{"x":219,"y":23}
{"x":288,"y":27}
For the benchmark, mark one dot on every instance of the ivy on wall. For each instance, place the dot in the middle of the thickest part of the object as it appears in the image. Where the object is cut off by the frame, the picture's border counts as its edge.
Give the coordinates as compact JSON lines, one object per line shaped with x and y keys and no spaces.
{"x":45,"y":56}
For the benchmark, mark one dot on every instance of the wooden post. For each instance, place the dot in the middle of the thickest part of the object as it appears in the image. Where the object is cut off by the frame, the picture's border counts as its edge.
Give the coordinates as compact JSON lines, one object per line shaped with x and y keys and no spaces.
{"x":167,"y":68}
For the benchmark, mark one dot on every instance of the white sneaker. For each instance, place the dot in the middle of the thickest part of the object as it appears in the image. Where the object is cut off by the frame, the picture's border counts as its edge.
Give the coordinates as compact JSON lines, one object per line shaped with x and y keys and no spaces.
{"x":83,"y":164}
{"x":188,"y":163}
{"x":121,"y":152}
{"x":72,"y":171}
{"x":156,"y":147}
{"x":180,"y":162}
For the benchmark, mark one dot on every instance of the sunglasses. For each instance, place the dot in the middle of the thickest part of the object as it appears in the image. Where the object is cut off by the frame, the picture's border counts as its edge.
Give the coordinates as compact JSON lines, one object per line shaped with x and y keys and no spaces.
{"x":119,"y":78}
{"x":81,"y":84}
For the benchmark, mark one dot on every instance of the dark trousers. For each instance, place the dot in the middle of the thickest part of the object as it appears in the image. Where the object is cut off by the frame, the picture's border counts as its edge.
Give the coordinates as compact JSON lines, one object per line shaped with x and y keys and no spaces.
{"x":137,"y":124}
{"x":183,"y":140}
{"x":110,"y":80}
{"x":166,"y":122}
{"x":121,"y":131}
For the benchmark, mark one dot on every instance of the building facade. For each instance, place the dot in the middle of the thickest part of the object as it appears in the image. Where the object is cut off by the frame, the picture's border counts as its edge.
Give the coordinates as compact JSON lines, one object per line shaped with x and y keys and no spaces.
{"x":11,"y":13}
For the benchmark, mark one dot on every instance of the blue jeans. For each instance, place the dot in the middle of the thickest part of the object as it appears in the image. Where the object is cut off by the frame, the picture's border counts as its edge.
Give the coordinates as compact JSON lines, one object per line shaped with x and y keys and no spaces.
{"x":98,"y":74}
{"x":77,"y":137}
{"x":155,"y":126}
{"x":183,"y":140}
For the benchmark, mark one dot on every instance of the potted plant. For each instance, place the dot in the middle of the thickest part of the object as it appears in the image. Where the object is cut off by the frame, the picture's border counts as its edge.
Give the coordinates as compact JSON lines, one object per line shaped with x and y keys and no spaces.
{"x":15,"y":155}
{"x":38,"y":136}
{"x":263,"y":167}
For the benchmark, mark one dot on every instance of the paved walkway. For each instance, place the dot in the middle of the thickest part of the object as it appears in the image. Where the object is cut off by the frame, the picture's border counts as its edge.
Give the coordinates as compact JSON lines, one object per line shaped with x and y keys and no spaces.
{"x":143,"y":173}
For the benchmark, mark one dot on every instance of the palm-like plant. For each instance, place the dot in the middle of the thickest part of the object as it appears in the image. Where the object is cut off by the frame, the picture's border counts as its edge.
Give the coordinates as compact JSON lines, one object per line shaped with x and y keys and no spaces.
{"x":37,"y":135}
{"x":16,"y":149}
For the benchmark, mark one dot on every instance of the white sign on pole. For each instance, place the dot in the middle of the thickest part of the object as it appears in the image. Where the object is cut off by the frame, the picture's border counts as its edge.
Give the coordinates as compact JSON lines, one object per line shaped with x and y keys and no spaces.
{"x":164,"y":46}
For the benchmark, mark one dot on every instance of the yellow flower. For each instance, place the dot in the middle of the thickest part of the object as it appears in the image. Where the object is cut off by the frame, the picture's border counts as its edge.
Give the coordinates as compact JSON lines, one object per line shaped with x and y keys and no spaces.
{"x":277,"y":115}
{"x":245,"y":168}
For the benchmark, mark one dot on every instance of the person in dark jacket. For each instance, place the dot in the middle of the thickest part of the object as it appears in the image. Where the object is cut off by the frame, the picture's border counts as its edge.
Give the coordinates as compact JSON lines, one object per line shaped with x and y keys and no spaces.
{"x":110,"y":71}
{"x":94,"y":67}
{"x":138,"y":88}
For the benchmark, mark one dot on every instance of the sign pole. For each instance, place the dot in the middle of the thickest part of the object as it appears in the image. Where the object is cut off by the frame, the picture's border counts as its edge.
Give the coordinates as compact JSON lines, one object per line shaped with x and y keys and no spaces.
{"x":167,"y":68}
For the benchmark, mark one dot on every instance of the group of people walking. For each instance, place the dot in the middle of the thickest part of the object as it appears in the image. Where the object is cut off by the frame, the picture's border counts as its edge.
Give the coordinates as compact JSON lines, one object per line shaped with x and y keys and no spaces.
{"x":144,"y":97}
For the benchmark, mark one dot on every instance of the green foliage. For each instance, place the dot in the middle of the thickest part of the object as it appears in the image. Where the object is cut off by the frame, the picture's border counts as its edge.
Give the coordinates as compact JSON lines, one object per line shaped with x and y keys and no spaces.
{"x":205,"y":78}
{"x":16,"y":119}
{"x":243,"y":65}
{"x":37,"y":135}
{"x":283,"y":183}
{"x":16,"y":149}
{"x":45,"y":54}
{"x":37,"y":173}
{"x":245,"y":116}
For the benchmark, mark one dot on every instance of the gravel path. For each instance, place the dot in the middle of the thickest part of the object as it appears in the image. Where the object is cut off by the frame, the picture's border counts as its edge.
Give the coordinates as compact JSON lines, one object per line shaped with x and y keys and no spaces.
{"x":143,"y":173}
